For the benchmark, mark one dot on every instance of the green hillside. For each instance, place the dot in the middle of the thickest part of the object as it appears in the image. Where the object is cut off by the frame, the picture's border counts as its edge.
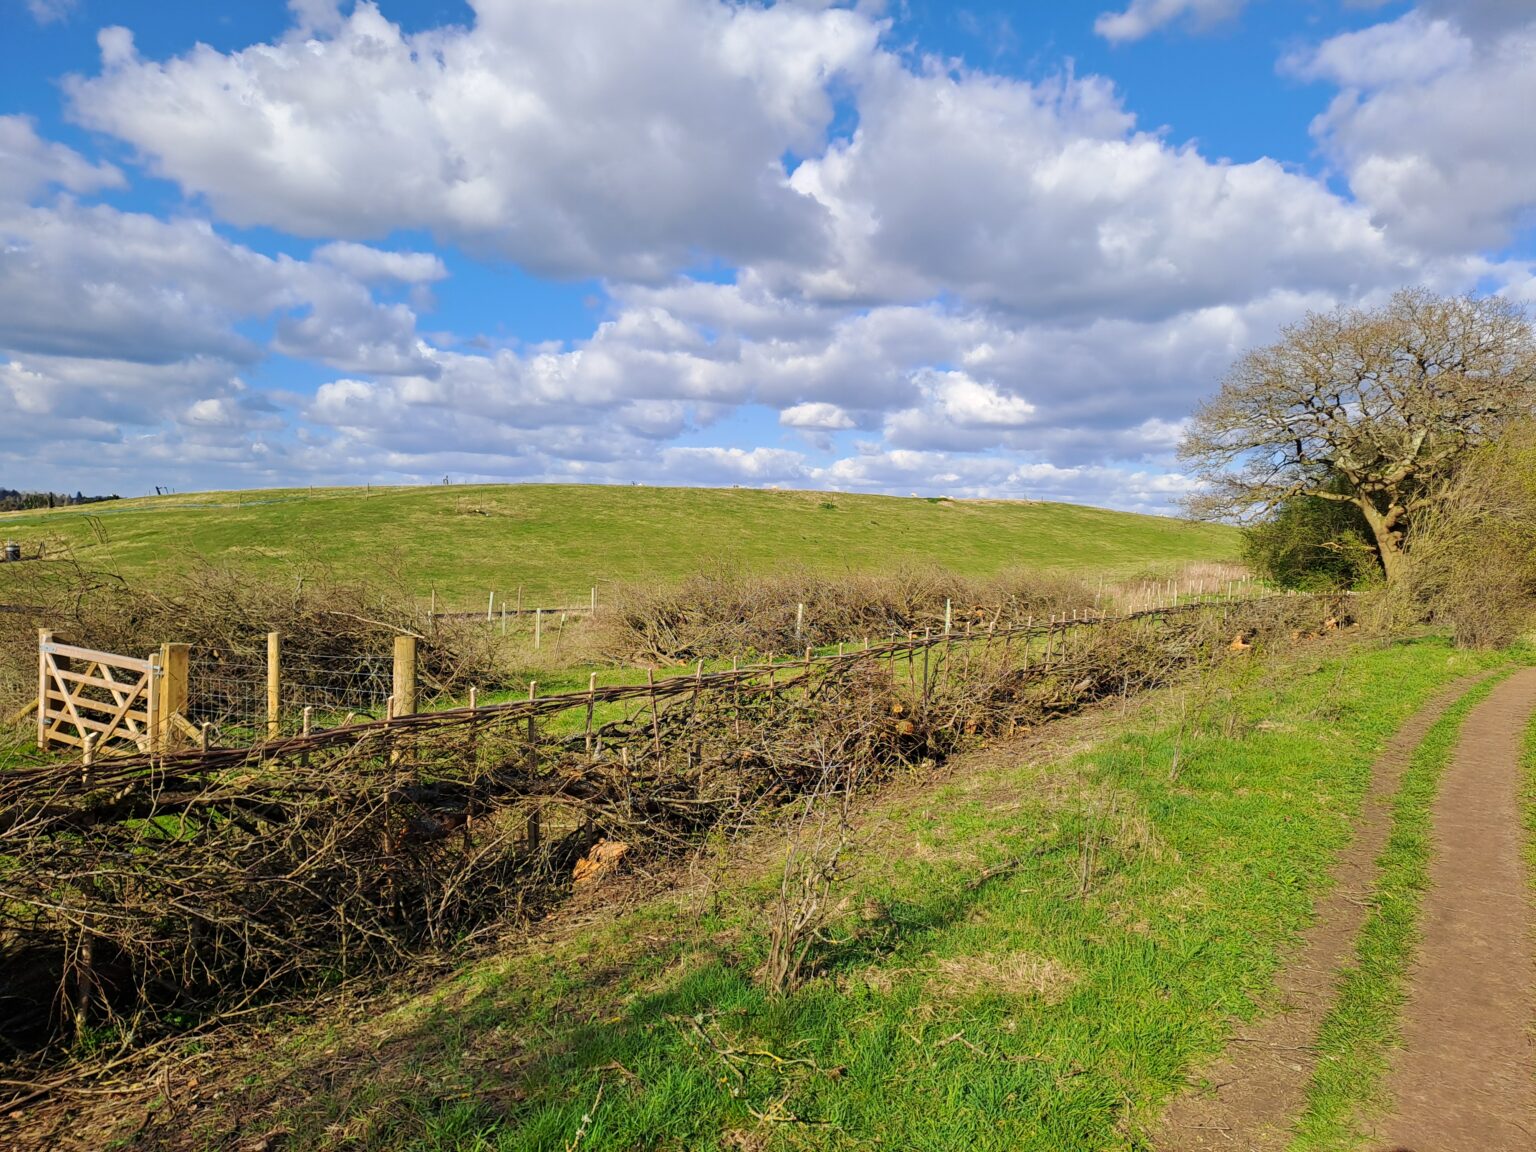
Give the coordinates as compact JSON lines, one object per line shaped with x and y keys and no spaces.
{"x":556,"y":541}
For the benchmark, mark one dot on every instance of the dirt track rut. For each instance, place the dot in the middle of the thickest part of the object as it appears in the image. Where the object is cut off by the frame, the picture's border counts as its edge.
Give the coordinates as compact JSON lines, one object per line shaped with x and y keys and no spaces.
{"x":1465,"y":1079}
{"x":1259,"y":1083}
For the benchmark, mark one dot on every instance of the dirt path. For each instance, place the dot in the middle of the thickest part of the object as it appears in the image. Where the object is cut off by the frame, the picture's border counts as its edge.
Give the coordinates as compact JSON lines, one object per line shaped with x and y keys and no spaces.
{"x":1466,"y":1075}
{"x":1259,"y":1083}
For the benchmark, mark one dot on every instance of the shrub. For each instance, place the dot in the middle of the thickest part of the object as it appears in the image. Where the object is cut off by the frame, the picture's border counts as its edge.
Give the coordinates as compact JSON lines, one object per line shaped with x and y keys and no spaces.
{"x":1313,"y":545}
{"x":1472,"y":557}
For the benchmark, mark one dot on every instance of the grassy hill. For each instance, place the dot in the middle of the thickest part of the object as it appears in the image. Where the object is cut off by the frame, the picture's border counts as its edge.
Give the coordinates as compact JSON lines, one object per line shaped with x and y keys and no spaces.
{"x":556,"y":541}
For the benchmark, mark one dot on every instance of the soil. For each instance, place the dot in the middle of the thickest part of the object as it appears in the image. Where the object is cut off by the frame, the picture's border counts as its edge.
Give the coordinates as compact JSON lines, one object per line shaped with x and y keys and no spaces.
{"x":1249,"y":1097}
{"x":1465,"y":1077}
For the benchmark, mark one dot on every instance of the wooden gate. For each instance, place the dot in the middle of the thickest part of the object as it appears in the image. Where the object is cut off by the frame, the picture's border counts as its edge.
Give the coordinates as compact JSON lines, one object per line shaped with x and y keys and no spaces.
{"x":111,"y":700}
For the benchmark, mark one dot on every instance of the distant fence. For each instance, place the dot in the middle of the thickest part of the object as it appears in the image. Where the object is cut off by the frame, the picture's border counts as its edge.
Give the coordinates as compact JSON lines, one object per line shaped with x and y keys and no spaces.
{"x":245,"y":698}
{"x":392,"y":694}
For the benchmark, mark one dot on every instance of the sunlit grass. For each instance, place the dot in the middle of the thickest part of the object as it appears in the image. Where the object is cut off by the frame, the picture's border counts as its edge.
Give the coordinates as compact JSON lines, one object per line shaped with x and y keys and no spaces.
{"x":1054,"y":1006}
{"x":556,"y":542}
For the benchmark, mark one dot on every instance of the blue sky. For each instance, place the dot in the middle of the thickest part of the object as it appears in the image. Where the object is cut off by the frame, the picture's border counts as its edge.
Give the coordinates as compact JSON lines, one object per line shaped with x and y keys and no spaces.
{"x":995,"y":250}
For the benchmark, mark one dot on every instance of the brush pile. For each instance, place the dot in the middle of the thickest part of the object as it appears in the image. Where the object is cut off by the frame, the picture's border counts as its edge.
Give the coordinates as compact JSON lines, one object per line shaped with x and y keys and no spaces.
{"x":139,"y":891}
{"x":725,"y":613}
{"x":329,"y":629}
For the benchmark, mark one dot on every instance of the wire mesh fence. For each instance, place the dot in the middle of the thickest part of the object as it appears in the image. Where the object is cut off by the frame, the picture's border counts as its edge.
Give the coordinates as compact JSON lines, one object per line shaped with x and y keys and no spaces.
{"x":334,"y":687}
{"x":227,"y":694}
{"x":231,"y":694}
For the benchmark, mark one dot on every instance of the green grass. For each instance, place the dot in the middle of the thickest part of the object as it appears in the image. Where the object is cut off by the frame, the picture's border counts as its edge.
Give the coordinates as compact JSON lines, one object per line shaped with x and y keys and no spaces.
{"x":1356,"y":1037}
{"x":558,"y":541}
{"x":1054,"y":1006}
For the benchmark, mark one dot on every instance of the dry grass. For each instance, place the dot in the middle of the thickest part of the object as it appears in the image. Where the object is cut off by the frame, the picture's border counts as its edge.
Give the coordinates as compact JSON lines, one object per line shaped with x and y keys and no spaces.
{"x":1020,"y":975}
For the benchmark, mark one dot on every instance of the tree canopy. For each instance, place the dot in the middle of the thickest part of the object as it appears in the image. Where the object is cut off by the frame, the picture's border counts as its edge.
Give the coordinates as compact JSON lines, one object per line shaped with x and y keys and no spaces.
{"x":1369,"y":407}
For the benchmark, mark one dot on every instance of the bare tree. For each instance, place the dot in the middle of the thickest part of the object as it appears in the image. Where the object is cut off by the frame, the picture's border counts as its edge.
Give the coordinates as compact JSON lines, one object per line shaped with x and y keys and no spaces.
{"x":1365,"y":407}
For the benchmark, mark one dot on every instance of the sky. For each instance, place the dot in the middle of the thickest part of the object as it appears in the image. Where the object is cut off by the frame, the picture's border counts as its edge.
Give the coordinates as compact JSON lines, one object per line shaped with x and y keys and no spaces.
{"x":970,"y":249}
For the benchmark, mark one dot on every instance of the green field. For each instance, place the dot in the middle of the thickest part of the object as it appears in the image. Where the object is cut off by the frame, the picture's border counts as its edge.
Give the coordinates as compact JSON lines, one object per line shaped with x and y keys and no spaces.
{"x":558,"y":541}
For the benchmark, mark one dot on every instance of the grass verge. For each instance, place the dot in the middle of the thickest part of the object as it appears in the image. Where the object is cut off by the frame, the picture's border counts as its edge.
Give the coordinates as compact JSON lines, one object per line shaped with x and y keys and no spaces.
{"x":1356,"y":1037}
{"x":1030,"y":957}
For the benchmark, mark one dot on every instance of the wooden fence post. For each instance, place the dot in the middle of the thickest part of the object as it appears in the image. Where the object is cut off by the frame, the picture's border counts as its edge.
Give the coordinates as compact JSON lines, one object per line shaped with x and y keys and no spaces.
{"x":534,"y":827}
{"x":274,"y":684}
{"x":173,"y":693}
{"x":44,"y":638}
{"x":927,"y":643}
{"x":650,"y":680}
{"x":538,"y":628}
{"x":405,"y":676}
{"x":474,"y":765}
{"x":591,"y":704}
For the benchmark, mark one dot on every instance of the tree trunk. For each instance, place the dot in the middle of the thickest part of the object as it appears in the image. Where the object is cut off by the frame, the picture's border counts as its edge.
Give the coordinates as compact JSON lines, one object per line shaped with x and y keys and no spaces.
{"x":1389,"y":541}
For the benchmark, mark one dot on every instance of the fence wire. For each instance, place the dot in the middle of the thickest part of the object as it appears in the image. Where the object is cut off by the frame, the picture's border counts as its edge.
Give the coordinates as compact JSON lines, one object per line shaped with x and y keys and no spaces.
{"x":231,"y":694}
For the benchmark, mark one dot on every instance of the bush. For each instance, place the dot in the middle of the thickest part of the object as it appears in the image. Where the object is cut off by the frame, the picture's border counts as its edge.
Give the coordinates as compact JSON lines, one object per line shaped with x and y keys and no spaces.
{"x":1313,"y":545}
{"x":1472,"y":557}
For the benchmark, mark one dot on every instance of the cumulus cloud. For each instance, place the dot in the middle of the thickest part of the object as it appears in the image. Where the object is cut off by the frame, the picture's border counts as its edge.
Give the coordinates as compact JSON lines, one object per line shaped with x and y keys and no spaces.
{"x":605,"y":407}
{"x":124,"y":337}
{"x":370,"y":264}
{"x":29,"y":164}
{"x":817,"y":416}
{"x":315,"y":16}
{"x":1482,"y":17}
{"x":1002,"y":287}
{"x":577,"y":137}
{"x":86,"y":281}
{"x":1045,"y":200}
{"x":1432,"y":128}
{"x":1141,"y":18}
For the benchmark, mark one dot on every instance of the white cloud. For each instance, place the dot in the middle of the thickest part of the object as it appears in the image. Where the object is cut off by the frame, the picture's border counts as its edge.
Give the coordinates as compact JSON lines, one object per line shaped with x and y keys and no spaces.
{"x":29,"y":164}
{"x":755,"y":466}
{"x":316,"y":16}
{"x":93,"y":398}
{"x":1433,"y":129}
{"x":818,"y":416}
{"x":1141,"y":18}
{"x":1009,"y":287}
{"x":1482,"y":17}
{"x":1410,"y":50}
{"x":94,"y":281}
{"x":51,"y":11}
{"x":578,"y":138}
{"x":1043,"y":199}
{"x":632,"y":140}
{"x":971,"y":404}
{"x":369,"y":264}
